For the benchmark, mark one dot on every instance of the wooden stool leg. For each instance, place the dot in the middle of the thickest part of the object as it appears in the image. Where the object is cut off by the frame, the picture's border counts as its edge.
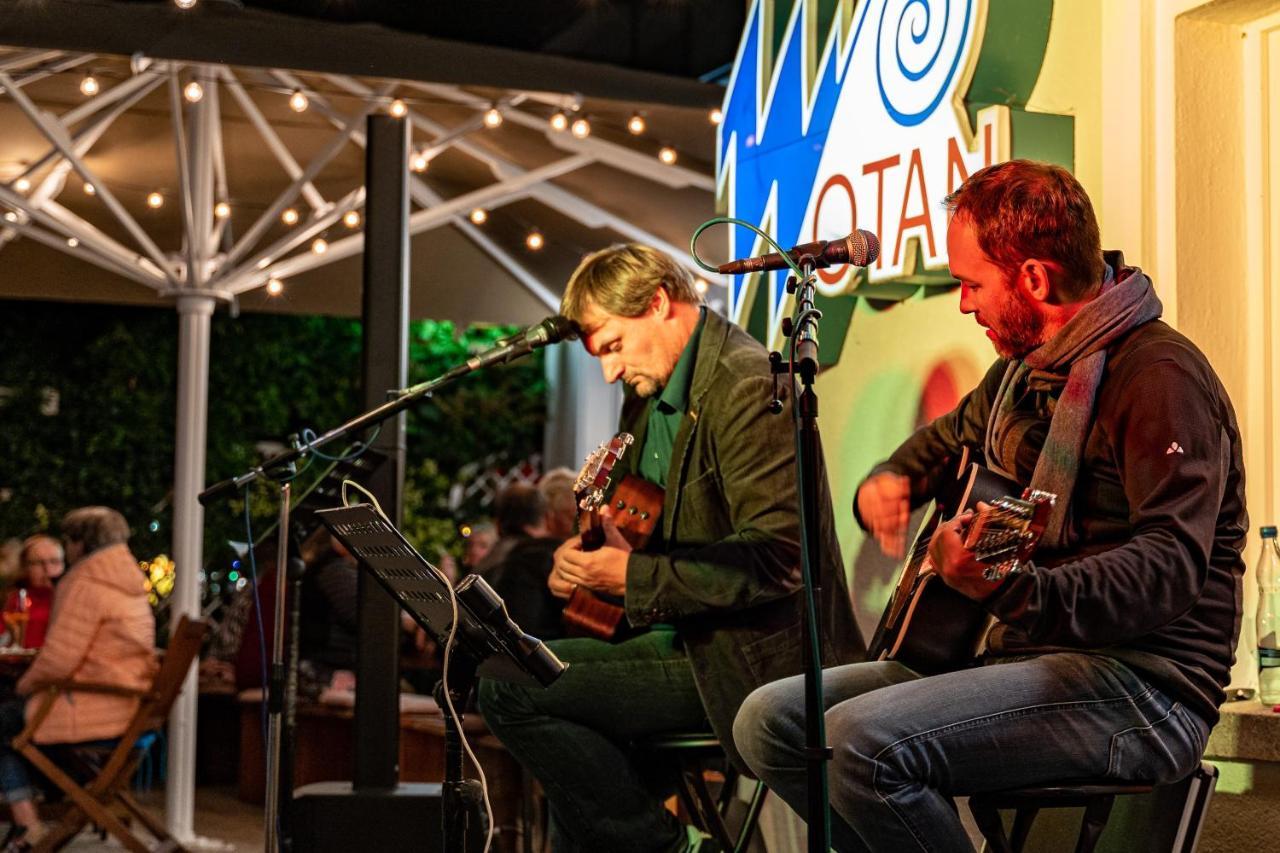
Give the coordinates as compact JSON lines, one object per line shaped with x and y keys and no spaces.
{"x":989,"y":824}
{"x":1095,"y":820}
{"x":1022,"y":821}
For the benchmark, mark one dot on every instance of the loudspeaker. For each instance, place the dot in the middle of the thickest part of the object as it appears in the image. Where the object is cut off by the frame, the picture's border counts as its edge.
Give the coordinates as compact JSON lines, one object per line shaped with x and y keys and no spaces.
{"x":331,"y":817}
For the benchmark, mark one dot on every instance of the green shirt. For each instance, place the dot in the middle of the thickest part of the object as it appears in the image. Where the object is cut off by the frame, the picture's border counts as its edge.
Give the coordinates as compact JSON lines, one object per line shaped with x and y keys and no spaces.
{"x":667,"y":411}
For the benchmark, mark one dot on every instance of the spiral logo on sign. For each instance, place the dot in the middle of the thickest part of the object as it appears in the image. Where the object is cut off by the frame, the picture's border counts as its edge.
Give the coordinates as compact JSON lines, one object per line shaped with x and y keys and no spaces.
{"x":919,"y":44}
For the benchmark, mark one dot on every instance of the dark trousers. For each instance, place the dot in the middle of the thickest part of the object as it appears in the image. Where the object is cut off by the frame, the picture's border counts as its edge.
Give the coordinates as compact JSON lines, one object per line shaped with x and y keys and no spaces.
{"x":575,"y":737}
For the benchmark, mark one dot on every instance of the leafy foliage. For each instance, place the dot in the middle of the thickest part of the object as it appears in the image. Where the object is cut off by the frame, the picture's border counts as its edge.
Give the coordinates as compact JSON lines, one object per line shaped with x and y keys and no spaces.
{"x":87,"y":398}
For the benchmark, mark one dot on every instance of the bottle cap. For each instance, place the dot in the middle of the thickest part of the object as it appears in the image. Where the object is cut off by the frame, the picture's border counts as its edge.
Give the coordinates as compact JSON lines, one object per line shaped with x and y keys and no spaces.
{"x":1269,"y":532}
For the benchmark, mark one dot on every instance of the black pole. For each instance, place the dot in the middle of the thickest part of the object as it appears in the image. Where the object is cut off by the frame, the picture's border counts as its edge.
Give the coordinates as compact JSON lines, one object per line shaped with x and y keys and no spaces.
{"x":802,"y":329}
{"x":384,"y":367}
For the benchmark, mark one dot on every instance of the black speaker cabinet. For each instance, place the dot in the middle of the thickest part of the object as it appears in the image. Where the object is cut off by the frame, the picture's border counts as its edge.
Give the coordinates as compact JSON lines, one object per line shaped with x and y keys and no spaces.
{"x":330,"y":817}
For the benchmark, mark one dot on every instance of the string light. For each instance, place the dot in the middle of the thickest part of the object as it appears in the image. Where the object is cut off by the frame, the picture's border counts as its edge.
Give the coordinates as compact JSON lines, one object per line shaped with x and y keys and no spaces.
{"x":10,"y":216}
{"x":559,"y":121}
{"x":193,"y":91}
{"x":319,"y":245}
{"x":492,"y":117}
{"x":185,"y":4}
{"x":289,"y":216}
{"x":22,"y":185}
{"x":222,"y":210}
{"x":581,"y":128}
{"x":701,"y":286}
{"x":72,"y":242}
{"x":419,"y":162}
{"x":351,"y":219}
{"x":398,"y":108}
{"x":479,"y":216}
{"x":636,"y":124}
{"x":715,"y":116}
{"x":667,"y":155}
{"x":155,"y":200}
{"x":298,"y":101}
{"x":90,"y":189}
{"x":535,"y":241}
{"x":275,"y":286}
{"x":89,"y":86}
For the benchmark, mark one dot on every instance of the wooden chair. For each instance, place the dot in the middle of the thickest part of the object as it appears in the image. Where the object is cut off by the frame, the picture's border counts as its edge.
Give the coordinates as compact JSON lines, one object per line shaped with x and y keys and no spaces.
{"x":105,"y":800}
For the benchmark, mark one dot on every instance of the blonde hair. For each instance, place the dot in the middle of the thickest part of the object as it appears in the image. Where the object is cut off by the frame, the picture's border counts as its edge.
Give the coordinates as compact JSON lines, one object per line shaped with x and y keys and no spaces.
{"x":95,"y":527}
{"x":622,"y":279}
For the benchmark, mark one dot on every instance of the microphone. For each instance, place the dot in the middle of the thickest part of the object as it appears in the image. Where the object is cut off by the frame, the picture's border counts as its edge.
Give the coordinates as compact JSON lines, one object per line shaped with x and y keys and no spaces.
{"x":552,"y":330}
{"x":859,"y":248}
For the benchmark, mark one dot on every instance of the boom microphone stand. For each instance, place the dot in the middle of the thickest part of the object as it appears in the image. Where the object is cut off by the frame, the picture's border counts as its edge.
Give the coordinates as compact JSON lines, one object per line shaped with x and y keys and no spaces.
{"x":802,"y":329}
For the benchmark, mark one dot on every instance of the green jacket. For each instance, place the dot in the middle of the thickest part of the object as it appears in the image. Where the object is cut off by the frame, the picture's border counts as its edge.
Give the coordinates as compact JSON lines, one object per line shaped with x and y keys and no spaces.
{"x":726,"y":570}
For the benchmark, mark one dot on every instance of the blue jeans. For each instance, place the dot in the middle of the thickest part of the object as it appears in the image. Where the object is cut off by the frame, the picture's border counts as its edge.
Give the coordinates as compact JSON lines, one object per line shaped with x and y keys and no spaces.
{"x":905,"y":744}
{"x":574,"y":736}
{"x":16,"y":774}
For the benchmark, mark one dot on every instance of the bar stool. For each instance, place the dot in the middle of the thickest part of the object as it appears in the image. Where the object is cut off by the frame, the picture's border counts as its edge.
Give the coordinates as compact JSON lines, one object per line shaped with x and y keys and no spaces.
{"x":693,"y":751}
{"x":1096,"y":797}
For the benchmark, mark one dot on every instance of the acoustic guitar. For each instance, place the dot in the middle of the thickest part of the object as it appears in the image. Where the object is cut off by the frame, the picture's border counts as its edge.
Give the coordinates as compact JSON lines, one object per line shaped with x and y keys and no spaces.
{"x":634,"y":505}
{"x":927,"y":625}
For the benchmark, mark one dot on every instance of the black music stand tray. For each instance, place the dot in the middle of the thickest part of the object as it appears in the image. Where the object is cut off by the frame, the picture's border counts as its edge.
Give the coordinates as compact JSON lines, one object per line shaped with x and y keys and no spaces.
{"x":488,"y":642}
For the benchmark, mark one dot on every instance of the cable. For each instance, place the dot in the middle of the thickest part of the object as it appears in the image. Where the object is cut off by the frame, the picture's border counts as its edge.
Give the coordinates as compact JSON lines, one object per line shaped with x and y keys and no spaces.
{"x":257,"y":610}
{"x":444,"y":675}
{"x":358,"y":448}
{"x":729,"y":220}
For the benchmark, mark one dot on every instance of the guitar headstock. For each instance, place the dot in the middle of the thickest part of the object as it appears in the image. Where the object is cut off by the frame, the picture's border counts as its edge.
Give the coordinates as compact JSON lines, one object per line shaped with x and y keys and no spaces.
{"x":1004,"y":534}
{"x":593,"y":479}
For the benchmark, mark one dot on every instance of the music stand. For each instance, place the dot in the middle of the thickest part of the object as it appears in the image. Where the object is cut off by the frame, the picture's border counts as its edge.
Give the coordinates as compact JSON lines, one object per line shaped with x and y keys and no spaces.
{"x":487,"y":642}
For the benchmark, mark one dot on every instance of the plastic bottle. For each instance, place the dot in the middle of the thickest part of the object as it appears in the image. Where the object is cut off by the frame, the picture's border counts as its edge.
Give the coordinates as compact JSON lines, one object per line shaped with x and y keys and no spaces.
{"x":1268,"y":621}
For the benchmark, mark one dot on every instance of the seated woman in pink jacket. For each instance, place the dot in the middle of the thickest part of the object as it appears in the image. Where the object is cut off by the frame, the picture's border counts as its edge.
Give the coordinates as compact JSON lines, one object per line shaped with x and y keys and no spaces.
{"x":101,"y":631}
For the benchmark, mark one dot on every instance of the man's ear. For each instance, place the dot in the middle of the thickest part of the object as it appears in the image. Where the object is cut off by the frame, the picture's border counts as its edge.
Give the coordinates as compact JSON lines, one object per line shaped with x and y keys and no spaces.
{"x":1033,"y":278}
{"x":660,"y":304}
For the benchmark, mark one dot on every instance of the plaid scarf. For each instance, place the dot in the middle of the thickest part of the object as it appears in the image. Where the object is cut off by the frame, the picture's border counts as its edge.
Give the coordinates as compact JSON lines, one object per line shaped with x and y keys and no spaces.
{"x":1074,"y":360}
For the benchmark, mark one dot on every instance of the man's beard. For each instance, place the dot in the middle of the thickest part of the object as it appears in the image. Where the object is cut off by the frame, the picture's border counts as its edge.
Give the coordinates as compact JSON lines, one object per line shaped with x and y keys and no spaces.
{"x":646,"y":386}
{"x":1019,"y":328}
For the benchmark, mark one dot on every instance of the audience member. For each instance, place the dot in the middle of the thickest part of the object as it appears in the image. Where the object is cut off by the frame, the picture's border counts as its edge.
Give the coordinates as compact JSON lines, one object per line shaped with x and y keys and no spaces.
{"x":520,"y":563}
{"x":42,"y":562}
{"x":328,"y":632}
{"x":101,"y":631}
{"x":556,"y":488}
{"x":480,"y":542}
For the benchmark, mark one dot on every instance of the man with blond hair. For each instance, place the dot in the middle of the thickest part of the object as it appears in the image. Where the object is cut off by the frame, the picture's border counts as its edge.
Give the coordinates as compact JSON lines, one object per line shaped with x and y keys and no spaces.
{"x":713,"y":600}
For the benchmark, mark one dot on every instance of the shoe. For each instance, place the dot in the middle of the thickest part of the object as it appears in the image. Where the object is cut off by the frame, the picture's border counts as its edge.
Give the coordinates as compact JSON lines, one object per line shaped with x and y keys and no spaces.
{"x":15,"y":840}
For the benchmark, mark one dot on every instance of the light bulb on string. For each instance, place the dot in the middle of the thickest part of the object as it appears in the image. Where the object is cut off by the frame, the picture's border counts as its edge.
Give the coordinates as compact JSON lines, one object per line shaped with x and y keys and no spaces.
{"x":275,"y":286}
{"x":289,"y":216}
{"x":398,"y":108}
{"x":22,"y":185}
{"x":72,"y":242}
{"x":10,"y":216}
{"x":701,"y":285}
{"x":667,"y":155}
{"x":351,"y":219}
{"x":492,"y":118}
{"x":559,"y":121}
{"x":534,"y":240}
{"x":581,"y":128}
{"x":193,"y":91}
{"x":636,"y":124}
{"x":298,"y":101}
{"x":419,"y":163}
{"x":222,"y":210}
{"x":90,"y":189}
{"x":715,"y":116}
{"x":89,"y":86}
{"x":155,"y":200}
{"x":479,"y":216}
{"x":185,"y":4}
{"x":319,"y":245}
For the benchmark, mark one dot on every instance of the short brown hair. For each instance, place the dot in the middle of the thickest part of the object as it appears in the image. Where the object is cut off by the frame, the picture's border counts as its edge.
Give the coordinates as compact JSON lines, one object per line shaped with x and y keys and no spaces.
{"x":622,"y":279}
{"x":1023,"y":209}
{"x":95,"y":527}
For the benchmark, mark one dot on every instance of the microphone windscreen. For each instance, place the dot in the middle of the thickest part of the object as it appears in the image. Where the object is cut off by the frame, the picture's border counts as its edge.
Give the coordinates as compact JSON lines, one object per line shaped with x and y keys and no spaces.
{"x":864,"y":248}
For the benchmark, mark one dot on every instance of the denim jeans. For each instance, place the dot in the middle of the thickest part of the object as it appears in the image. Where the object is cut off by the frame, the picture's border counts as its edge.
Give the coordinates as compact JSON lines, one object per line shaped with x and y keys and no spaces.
{"x":905,"y":745}
{"x":574,"y":736}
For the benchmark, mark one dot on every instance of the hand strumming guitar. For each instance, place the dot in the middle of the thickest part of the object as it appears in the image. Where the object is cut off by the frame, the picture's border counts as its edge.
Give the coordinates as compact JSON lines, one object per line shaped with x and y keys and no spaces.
{"x":955,"y":563}
{"x":601,"y":570}
{"x":884,"y":505}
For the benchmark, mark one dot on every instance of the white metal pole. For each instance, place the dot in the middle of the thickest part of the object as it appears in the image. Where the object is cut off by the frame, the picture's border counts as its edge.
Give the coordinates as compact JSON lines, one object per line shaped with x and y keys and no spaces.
{"x":195,"y":313}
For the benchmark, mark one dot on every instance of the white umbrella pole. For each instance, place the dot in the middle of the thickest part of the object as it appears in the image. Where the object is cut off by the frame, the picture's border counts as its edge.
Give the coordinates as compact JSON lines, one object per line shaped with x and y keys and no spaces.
{"x":195,"y":312}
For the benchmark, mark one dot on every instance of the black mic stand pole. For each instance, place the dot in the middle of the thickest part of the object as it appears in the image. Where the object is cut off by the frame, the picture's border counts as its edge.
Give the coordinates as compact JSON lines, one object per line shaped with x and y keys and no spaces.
{"x":801,"y":328}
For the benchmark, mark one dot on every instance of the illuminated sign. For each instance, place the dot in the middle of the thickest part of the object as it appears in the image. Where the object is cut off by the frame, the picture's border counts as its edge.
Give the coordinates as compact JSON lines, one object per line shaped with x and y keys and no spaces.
{"x":867,"y":115}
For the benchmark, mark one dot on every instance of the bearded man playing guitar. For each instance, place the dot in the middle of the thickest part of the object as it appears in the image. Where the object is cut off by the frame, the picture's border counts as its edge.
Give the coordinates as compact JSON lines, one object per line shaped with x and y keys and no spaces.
{"x":1110,"y":651}
{"x":715,"y":593}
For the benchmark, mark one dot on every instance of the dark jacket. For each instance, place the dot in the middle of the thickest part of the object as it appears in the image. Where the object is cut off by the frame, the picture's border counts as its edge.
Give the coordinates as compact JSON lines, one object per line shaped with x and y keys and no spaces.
{"x":726,"y":567}
{"x":1158,"y":511}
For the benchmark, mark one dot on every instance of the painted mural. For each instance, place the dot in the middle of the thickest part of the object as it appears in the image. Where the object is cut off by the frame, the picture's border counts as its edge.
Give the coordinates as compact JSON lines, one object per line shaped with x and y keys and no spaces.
{"x":843,"y":115}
